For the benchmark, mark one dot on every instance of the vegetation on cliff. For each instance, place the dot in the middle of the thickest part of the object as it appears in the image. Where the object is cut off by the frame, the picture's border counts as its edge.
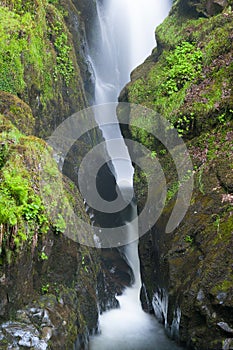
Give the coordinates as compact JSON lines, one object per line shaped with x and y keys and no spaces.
{"x":38,"y":61}
{"x":188,"y":79}
{"x":42,"y":271}
{"x":35,"y":256}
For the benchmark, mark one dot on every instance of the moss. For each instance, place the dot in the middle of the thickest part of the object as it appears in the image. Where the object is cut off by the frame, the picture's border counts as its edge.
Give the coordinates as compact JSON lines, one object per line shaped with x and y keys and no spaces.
{"x":38,"y":62}
{"x":172,"y":31}
{"x":18,"y":112}
{"x":194,"y":96}
{"x":23,"y":211}
{"x":197,"y":257}
{"x":223,"y":287}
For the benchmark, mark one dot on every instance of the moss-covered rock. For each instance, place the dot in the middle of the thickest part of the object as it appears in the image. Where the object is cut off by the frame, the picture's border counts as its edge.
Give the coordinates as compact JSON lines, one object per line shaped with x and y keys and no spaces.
{"x":18,"y":112}
{"x":36,"y":255}
{"x":188,"y":79}
{"x":39,"y":62}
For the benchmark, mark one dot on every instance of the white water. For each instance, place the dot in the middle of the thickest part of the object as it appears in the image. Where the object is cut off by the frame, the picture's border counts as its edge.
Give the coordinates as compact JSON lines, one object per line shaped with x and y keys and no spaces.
{"x":124,"y":38}
{"x":124,"y":32}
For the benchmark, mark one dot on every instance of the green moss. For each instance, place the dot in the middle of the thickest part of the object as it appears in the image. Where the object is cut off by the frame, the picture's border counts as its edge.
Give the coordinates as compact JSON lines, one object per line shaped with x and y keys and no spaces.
{"x":23,"y":211}
{"x":64,"y":65}
{"x":38,"y":62}
{"x":171,"y":32}
{"x":18,"y":201}
{"x":189,"y":84}
{"x":165,"y":87}
{"x":24,"y":48}
{"x":224,"y":286}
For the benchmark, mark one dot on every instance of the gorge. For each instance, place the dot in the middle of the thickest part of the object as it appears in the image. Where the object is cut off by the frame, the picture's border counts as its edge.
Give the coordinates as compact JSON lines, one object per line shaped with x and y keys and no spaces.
{"x":113,"y":56}
{"x":57,"y":58}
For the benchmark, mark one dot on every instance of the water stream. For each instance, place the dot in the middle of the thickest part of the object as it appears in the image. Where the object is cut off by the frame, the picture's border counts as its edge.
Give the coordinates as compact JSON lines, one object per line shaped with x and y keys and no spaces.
{"x":123,"y":38}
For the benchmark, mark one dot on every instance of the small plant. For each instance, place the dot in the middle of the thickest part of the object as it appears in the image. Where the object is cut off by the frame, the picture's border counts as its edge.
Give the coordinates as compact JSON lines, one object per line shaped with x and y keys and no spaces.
{"x":84,"y":264}
{"x":60,"y":224}
{"x":43,"y":256}
{"x":188,"y":239}
{"x":184,"y":124}
{"x":162,"y":152}
{"x":172,"y":191}
{"x":153,"y":155}
{"x":217,"y":220}
{"x":64,"y":63}
{"x":200,"y":182}
{"x":222,"y":118}
{"x":45,"y":288}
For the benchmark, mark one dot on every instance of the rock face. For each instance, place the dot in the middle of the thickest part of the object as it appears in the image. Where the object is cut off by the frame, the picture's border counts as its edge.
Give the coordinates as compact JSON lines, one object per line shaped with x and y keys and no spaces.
{"x":204,"y":8}
{"x":187,"y":274}
{"x":42,"y":271}
{"x":42,"y":58}
{"x":51,"y":287}
{"x":48,"y":282}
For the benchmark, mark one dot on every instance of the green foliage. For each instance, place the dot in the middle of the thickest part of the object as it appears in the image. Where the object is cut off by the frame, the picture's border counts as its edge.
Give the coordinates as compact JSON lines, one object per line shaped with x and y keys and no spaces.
{"x":200,"y":182}
{"x":11,"y":47}
{"x":84,"y":265}
{"x":165,"y":87}
{"x":23,"y":47}
{"x":43,"y":256}
{"x":60,"y":224}
{"x":183,"y":65}
{"x":153,"y":154}
{"x":171,"y":32}
{"x":174,"y":187}
{"x":172,"y":191}
{"x":138,"y":91}
{"x":188,"y":239}
{"x":190,"y":84}
{"x":139,"y":131}
{"x":183,"y":123}
{"x":34,"y":49}
{"x":24,"y":212}
{"x":224,"y":117}
{"x":217,"y":220}
{"x":18,"y":202}
{"x":45,"y":288}
{"x":21,"y":209}
{"x":22,"y":6}
{"x":64,"y":63}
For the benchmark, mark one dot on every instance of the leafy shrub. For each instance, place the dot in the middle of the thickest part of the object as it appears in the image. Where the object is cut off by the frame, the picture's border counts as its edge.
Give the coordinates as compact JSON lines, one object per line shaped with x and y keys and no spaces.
{"x":183,"y":65}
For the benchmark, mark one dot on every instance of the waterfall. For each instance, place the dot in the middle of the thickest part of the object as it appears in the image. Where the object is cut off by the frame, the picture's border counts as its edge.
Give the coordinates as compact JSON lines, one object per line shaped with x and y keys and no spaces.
{"x":122,"y":37}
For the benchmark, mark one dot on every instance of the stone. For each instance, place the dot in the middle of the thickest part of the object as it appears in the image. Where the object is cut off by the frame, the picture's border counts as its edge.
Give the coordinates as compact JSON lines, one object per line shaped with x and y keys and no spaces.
{"x":225,"y":327}
{"x":47,"y":333}
{"x":228,"y":344}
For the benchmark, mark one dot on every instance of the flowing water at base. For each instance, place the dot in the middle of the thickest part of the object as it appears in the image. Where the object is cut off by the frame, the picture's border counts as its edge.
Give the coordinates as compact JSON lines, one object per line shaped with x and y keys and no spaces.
{"x":130,"y":328}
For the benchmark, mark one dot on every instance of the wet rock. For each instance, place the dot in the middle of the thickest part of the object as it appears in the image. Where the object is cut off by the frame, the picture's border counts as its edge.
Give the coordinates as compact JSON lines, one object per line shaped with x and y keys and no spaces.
{"x":194,"y":262}
{"x":221,"y":297}
{"x":19,"y":334}
{"x":200,"y":295}
{"x":228,"y":344}
{"x":225,"y":327}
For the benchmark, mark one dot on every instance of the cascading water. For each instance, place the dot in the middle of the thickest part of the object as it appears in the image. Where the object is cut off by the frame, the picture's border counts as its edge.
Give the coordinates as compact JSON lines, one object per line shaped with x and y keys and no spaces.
{"x":123,"y":37}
